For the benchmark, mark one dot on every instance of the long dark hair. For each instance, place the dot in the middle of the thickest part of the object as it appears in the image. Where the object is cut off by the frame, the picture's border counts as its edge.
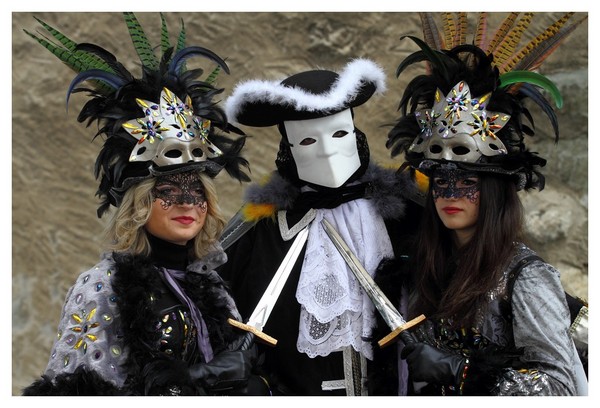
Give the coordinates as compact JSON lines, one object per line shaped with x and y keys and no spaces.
{"x":453,"y":282}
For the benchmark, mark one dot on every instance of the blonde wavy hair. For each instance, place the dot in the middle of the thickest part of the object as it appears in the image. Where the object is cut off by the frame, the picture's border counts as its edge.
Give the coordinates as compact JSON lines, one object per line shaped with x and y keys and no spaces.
{"x":125,"y":231}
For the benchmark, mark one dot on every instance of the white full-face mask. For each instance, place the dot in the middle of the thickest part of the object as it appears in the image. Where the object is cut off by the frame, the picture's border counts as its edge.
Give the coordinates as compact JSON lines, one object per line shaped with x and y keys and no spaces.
{"x":324,"y":149}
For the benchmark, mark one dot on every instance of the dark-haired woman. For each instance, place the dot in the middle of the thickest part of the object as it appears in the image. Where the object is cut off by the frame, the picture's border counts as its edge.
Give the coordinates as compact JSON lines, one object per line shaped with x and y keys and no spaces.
{"x":478,"y":339}
{"x":498,"y":319}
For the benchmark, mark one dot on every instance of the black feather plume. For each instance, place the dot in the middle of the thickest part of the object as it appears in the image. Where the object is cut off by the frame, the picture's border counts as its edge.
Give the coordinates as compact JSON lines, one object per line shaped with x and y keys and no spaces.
{"x":114,"y":103}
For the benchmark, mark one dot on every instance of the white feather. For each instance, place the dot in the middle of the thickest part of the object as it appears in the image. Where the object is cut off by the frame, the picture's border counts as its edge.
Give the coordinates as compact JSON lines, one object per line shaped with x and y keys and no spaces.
{"x":345,"y":88}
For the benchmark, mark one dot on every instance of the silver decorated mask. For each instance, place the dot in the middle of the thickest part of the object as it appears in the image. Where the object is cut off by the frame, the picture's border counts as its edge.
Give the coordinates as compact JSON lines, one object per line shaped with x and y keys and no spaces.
{"x":459,"y":128}
{"x":170,"y":133}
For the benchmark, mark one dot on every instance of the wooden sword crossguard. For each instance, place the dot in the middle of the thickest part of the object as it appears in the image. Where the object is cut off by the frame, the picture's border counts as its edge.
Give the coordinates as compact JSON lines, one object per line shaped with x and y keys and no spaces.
{"x":260,"y":335}
{"x":392,"y":337}
{"x":265,"y":305}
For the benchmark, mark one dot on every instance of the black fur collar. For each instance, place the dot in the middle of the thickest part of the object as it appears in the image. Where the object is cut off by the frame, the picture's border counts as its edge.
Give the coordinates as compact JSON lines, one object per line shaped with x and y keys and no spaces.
{"x":134,"y":281}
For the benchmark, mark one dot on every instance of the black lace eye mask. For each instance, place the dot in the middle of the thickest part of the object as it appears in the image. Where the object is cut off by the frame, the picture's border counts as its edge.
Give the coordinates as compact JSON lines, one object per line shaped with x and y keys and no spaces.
{"x":178,"y":189}
{"x":455,"y":183}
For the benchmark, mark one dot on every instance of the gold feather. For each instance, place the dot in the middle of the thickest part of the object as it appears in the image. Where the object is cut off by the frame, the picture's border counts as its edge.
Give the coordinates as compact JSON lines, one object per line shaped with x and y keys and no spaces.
{"x":449,"y":30}
{"x":501,"y":32}
{"x":461,"y":35}
{"x":255,"y":212}
{"x":422,"y":181}
{"x":537,"y":50}
{"x":480,"y":39}
{"x":508,"y":45}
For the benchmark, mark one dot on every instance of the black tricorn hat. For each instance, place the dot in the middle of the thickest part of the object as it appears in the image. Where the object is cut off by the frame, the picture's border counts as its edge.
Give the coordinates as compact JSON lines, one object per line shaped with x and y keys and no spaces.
{"x":306,"y":95}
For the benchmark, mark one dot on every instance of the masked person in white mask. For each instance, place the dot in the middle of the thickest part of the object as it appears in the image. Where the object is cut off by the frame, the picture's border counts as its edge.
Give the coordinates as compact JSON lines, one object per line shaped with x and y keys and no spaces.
{"x":322,"y":319}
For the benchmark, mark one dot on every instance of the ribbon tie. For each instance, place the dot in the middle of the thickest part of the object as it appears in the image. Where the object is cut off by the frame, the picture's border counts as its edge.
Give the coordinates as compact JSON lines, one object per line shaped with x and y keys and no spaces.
{"x":172,"y":276}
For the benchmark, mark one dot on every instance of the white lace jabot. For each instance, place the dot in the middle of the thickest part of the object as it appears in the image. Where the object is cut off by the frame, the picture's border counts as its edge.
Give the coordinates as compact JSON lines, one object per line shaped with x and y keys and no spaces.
{"x":335,"y":311}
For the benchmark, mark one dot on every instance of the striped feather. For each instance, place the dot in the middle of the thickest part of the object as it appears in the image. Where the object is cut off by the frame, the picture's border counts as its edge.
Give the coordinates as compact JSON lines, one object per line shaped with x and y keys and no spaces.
{"x":76,"y":60}
{"x":508,"y":45}
{"x":449,"y":30}
{"x":63,"y":39}
{"x":534,"y":53}
{"x":480,"y":39}
{"x":165,"y":44}
{"x":461,"y":35}
{"x":181,"y":38}
{"x":212,"y":78}
{"x":107,"y":57}
{"x":431,"y":34}
{"x":65,"y":55}
{"x":140,"y":42}
{"x":504,"y":28}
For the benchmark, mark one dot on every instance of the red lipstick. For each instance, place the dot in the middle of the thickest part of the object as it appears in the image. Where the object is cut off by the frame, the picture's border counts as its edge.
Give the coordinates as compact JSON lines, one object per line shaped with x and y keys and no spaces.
{"x":451,"y":210}
{"x":184,"y":219}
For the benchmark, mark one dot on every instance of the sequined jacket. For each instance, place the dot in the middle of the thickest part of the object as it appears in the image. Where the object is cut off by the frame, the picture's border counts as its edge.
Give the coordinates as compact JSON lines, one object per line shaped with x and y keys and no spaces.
{"x":115,"y":320}
{"x":521,"y":345}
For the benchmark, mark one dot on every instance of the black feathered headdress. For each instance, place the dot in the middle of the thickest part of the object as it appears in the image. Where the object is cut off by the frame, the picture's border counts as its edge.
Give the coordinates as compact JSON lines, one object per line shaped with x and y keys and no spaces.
{"x":469,"y":108}
{"x":162,"y":123}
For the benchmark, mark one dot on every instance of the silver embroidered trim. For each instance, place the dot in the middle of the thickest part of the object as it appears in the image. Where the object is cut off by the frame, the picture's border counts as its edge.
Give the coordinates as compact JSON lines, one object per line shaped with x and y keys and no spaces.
{"x":579,"y":328}
{"x":333,"y":385}
{"x":355,"y":372}
{"x":289,"y":233}
{"x":348,"y":371}
{"x":355,"y":365}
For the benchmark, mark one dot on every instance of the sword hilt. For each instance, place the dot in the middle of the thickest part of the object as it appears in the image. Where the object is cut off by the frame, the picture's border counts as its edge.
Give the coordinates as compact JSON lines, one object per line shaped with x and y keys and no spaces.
{"x":247,"y":341}
{"x":262,"y":336}
{"x":407,"y":337}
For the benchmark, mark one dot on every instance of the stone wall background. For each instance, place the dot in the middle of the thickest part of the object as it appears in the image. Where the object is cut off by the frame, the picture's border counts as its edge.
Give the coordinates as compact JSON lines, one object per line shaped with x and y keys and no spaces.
{"x":55,"y":229}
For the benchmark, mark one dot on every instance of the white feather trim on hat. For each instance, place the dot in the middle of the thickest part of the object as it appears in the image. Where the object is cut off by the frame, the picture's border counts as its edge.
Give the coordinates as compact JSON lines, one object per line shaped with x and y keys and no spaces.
{"x":347,"y":85}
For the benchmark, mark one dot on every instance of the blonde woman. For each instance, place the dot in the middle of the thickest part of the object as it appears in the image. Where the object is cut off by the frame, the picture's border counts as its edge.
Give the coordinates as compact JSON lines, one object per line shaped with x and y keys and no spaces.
{"x":151,"y":317}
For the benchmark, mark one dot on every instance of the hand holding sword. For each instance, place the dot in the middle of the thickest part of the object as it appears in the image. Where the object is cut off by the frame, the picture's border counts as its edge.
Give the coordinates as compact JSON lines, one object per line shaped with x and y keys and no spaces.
{"x":392,"y":317}
{"x":261,"y":313}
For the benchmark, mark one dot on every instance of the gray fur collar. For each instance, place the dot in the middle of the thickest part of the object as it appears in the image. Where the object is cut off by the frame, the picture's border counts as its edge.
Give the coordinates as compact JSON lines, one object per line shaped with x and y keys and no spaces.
{"x":388,"y":190}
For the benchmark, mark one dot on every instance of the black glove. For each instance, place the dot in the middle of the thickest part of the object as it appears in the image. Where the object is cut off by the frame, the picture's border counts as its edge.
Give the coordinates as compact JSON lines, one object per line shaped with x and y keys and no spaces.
{"x":226,"y":371}
{"x":432,"y":365}
{"x":230,"y":372}
{"x":164,"y":376}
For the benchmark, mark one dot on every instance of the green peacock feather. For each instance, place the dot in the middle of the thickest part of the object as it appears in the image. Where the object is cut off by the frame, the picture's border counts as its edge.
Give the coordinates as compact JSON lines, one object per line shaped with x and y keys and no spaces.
{"x":82,"y":60}
{"x":165,"y":43}
{"x":181,"y":38}
{"x":65,"y":50}
{"x":212,"y":78}
{"x":140,"y":42}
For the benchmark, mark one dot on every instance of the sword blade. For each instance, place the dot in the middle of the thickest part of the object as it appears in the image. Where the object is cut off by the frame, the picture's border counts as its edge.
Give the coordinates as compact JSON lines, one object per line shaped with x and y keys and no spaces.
{"x":266,"y":303}
{"x":261,"y":313}
{"x":388,"y":311}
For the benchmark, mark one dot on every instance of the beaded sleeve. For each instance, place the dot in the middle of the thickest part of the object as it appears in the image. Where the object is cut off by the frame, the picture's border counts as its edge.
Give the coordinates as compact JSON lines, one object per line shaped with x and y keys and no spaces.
{"x":541,"y":327}
{"x":88,"y":332}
